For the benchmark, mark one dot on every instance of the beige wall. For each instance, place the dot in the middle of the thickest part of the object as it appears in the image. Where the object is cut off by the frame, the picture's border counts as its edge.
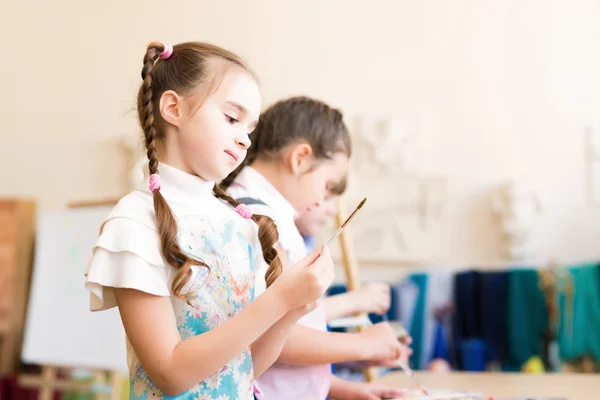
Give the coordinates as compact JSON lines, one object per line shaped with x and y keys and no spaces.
{"x":507,"y":88}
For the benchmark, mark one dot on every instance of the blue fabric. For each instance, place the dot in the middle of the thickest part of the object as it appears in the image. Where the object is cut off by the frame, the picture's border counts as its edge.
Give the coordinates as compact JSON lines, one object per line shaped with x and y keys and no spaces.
{"x":309,"y":242}
{"x":332,"y":291}
{"x":418,"y":320}
{"x":473,"y":354}
{"x":466,"y":321}
{"x":440,"y":347}
{"x":494,"y":299}
{"x":336,"y":289}
{"x":393,"y":311}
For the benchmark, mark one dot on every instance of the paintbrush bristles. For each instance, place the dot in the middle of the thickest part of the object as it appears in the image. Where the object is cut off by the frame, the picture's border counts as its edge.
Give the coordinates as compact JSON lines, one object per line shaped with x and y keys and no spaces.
{"x":354,"y":212}
{"x":339,"y":230}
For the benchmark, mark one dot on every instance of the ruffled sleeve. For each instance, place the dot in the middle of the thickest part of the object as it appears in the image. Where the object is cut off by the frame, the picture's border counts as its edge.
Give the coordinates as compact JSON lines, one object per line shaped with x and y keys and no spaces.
{"x":126,"y":255}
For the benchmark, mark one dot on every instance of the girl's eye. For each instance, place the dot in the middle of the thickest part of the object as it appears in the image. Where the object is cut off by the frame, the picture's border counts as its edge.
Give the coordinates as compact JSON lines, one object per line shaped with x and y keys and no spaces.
{"x":231,"y":120}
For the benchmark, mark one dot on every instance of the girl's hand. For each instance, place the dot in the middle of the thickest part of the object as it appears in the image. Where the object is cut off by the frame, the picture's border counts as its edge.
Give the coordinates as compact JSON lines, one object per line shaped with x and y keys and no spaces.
{"x":382,"y":345}
{"x":373,"y":298}
{"x":304,"y":283}
{"x":405,"y":354}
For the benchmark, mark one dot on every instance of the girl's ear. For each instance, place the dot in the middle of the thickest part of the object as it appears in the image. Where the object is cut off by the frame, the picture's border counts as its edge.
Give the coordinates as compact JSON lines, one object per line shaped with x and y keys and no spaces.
{"x":300,"y":158}
{"x":170,"y":108}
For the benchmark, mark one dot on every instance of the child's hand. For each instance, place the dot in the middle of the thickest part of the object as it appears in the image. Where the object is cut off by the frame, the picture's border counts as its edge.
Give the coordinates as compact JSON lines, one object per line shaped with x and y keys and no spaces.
{"x":306,"y":282}
{"x":382,"y":345}
{"x":373,"y":298}
{"x":405,"y":354}
{"x":299,"y":312}
{"x":371,"y":391}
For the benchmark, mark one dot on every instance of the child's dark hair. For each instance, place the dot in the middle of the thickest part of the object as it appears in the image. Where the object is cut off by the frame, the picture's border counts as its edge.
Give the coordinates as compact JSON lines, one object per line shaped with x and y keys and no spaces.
{"x":183,"y":71}
{"x":340,"y":187}
{"x":296,"y":120}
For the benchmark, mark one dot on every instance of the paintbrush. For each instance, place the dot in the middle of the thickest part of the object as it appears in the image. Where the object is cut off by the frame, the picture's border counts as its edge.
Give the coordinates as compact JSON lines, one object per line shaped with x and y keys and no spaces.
{"x":403,"y":366}
{"x":410,"y":373}
{"x":341,"y":228}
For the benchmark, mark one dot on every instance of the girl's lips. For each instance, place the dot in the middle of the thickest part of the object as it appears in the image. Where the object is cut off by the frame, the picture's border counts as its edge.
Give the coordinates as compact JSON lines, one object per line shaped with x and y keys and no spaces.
{"x":233,"y":156}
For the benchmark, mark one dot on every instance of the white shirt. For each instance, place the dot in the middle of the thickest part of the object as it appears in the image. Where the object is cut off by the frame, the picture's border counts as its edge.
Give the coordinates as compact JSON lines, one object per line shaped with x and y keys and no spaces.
{"x":284,"y":381}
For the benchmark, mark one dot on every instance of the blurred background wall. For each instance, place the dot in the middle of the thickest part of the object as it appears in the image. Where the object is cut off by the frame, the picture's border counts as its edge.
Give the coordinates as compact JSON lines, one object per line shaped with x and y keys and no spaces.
{"x":496,"y":91}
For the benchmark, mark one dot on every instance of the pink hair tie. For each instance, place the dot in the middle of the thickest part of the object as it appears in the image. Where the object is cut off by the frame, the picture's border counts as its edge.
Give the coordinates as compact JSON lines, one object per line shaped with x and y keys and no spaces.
{"x":244,"y":211}
{"x":154,"y":182}
{"x":167,"y":51}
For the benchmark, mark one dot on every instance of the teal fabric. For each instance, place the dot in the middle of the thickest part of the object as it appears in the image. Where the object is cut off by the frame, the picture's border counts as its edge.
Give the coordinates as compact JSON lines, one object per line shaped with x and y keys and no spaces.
{"x":417,"y":326}
{"x":527,"y":317}
{"x":579,"y":326}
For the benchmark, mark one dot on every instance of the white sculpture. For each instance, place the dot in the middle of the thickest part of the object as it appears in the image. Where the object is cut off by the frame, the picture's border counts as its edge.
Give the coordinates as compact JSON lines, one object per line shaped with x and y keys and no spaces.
{"x":389,"y":166}
{"x":386,"y":146}
{"x":518,"y":209}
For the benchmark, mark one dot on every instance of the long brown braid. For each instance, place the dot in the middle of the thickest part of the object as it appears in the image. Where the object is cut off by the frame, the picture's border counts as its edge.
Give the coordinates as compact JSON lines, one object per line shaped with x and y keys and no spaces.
{"x":267,"y":234}
{"x":183,"y":72}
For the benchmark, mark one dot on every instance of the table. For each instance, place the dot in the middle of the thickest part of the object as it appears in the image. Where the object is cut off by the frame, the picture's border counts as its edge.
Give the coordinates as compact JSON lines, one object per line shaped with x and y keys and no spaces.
{"x":497,"y":385}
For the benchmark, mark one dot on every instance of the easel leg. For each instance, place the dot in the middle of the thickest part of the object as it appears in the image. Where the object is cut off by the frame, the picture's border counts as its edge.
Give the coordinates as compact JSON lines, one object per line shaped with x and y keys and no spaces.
{"x":99,"y":381}
{"x":5,"y":353}
{"x":49,"y":375}
{"x":350,"y":268}
{"x":116,"y":382}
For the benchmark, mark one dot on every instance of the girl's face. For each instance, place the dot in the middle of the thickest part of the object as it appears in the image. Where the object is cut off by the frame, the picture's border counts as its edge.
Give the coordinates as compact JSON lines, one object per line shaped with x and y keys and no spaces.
{"x":212,"y":140}
{"x":311,"y":187}
{"x":312,"y":222}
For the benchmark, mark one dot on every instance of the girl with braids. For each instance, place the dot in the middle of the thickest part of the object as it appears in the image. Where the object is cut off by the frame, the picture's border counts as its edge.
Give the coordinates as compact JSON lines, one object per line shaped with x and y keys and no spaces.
{"x":300,"y":151}
{"x":179,"y":257}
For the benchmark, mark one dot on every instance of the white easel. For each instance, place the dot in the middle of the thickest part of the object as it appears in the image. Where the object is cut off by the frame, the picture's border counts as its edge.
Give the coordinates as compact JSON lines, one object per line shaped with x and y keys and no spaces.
{"x":106,"y":384}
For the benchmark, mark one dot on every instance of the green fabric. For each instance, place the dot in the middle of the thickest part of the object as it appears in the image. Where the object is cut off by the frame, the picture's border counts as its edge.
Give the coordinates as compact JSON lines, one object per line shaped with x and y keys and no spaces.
{"x":579,"y":326}
{"x":77,"y":396}
{"x":72,"y":395}
{"x":417,"y":325}
{"x":527,"y":317}
{"x":124,"y":395}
